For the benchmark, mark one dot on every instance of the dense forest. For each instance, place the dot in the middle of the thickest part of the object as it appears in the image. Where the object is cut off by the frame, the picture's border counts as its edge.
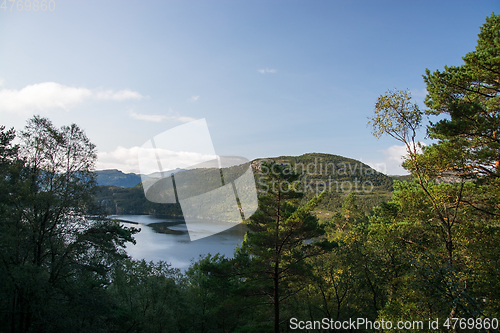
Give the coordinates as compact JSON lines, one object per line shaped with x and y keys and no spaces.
{"x":424,"y":258}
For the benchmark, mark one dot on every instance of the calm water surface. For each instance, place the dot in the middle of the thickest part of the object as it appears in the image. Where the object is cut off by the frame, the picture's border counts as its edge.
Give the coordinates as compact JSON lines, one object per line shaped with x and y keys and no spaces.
{"x":177,"y":249}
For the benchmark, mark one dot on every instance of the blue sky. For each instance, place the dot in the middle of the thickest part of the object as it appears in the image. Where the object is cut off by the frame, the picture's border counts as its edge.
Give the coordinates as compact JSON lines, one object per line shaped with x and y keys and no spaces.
{"x":271,"y":78}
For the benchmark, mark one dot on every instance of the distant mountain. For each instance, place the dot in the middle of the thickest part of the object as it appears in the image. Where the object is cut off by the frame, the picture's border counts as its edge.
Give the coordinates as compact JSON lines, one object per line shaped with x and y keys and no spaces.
{"x":165,"y":173}
{"x":113,"y":177}
{"x":117,"y":178}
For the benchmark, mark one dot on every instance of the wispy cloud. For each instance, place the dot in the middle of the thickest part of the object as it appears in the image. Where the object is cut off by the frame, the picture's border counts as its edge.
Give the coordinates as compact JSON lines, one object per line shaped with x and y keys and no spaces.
{"x":121,"y":95}
{"x":267,"y":70}
{"x":419,"y":93}
{"x":147,"y":117}
{"x":51,"y":95}
{"x":193,"y":99}
{"x":159,"y":118}
{"x":2,"y":82}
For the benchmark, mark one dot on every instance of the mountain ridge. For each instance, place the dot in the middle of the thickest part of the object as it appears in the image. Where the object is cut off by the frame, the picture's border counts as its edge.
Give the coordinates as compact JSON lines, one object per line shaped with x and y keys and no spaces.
{"x":115,"y":177}
{"x":335,"y":174}
{"x":118,"y":178}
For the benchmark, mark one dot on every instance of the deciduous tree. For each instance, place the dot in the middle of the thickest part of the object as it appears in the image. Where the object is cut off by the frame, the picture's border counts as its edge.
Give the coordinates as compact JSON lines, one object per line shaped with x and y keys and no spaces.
{"x":55,"y":246}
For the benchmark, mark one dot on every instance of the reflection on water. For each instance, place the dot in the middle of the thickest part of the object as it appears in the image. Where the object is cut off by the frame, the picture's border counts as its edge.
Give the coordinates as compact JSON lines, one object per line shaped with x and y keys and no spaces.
{"x":171,"y":241}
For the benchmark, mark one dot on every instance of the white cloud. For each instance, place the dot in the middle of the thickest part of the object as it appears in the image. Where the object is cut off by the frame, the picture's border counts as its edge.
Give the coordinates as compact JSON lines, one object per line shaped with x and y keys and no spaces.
{"x":267,"y":70}
{"x":52,"y":95}
{"x":126,"y":159}
{"x":42,"y":96}
{"x":390,"y":164}
{"x":185,"y":119}
{"x":393,"y":158}
{"x":193,"y":99}
{"x":395,"y":153}
{"x":119,"y":95}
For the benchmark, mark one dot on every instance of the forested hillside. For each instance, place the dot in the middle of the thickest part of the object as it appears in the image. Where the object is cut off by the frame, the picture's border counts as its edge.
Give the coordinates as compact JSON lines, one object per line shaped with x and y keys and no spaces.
{"x":336,"y":175}
{"x":118,"y":200}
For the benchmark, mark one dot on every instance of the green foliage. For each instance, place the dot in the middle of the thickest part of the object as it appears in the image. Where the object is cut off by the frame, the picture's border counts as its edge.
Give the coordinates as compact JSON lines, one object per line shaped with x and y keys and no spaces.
{"x":469,"y":96}
{"x":396,"y":115}
{"x":443,"y":225}
{"x":150,"y":297}
{"x":434,"y":287}
{"x":55,"y":246}
{"x":214,"y":289}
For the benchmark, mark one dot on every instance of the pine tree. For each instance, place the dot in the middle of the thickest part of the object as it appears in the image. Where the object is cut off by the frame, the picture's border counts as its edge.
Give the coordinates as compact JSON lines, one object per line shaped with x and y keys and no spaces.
{"x":282,"y":236}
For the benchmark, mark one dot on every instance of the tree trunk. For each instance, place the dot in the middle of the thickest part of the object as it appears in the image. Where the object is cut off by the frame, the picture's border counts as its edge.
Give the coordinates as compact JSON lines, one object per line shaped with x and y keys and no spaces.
{"x":276,"y":271}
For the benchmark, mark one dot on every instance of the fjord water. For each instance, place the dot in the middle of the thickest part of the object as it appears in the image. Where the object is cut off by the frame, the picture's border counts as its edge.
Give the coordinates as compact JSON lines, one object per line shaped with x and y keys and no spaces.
{"x":176,"y":248}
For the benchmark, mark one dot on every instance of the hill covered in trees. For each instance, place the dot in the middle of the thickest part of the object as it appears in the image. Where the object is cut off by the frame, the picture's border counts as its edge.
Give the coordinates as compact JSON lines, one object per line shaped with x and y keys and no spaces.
{"x":336,"y":175}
